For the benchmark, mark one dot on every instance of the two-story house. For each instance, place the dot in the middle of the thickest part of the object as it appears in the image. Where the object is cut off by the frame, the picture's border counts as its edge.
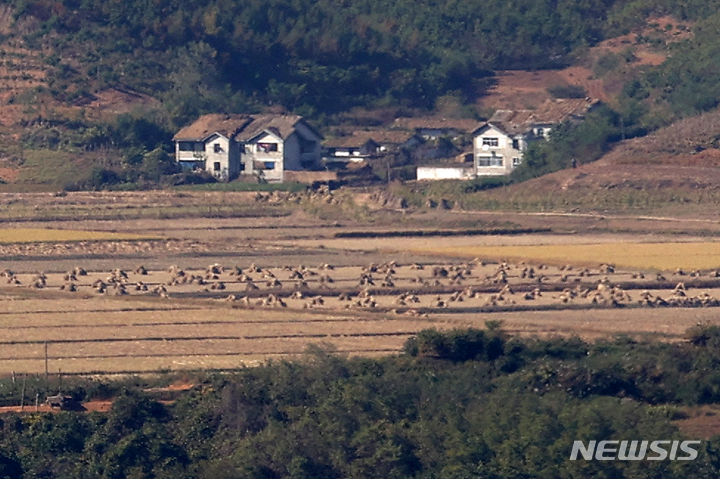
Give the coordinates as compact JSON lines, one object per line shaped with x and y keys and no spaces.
{"x":496,"y":151}
{"x":498,"y":146}
{"x":261,"y":145}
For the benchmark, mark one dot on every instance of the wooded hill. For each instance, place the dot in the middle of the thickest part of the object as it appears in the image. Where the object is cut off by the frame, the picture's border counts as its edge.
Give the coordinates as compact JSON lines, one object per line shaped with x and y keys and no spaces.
{"x":320,"y":58}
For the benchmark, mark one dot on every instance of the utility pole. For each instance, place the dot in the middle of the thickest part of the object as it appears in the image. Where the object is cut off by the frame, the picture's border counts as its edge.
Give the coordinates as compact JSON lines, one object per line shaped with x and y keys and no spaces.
{"x":46,"y":361}
{"x":22,"y":394}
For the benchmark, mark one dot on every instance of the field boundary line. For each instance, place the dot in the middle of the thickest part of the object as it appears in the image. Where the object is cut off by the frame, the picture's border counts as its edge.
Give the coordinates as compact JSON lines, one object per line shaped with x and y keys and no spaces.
{"x":170,"y":355}
{"x":208,"y":338}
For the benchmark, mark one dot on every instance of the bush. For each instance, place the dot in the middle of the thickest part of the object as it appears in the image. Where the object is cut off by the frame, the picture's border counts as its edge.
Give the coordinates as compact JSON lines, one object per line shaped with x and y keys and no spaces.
{"x":567,"y":91}
{"x":457,"y":345}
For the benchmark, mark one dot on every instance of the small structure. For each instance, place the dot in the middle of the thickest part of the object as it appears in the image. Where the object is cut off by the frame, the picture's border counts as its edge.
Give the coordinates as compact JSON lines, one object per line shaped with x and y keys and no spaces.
{"x":432,"y":128}
{"x":445,"y":172}
{"x":350,"y":148}
{"x":496,"y":151}
{"x":61,"y":401}
{"x":500,"y":143}
{"x":391,"y":140}
{"x":264,"y":146}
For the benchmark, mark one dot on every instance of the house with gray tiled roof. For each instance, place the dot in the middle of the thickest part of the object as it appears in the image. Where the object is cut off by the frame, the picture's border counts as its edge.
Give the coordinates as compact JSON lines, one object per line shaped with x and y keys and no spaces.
{"x":432,"y":128}
{"x":261,"y":145}
{"x":499,"y":144}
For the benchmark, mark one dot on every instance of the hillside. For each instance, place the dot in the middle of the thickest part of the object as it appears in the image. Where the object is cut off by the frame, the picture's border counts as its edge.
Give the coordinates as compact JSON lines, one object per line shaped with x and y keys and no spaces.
{"x":675,"y":166}
{"x":86,"y":86}
{"x":646,"y":46}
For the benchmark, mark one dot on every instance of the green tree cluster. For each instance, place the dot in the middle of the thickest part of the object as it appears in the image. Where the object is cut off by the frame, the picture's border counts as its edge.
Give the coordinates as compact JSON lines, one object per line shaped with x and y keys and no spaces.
{"x":457,"y":404}
{"x":308,"y":56}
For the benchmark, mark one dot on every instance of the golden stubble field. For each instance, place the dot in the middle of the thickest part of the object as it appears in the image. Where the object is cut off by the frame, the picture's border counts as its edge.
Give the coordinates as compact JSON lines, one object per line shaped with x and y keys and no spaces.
{"x":223,"y":293}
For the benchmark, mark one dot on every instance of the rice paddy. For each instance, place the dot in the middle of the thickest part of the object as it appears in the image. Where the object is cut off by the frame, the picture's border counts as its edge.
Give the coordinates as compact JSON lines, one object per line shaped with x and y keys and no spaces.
{"x":666,"y":256}
{"x":41,"y":235}
{"x":231,"y":292}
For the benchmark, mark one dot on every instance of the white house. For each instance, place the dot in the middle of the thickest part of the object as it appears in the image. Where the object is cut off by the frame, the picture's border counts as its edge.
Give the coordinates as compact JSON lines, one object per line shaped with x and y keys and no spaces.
{"x":261,"y":145}
{"x":497,"y":152}
{"x":499,"y":144}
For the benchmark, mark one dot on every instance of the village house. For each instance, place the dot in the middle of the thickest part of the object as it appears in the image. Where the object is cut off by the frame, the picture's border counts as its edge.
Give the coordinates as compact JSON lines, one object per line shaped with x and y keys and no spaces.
{"x":264,"y":146}
{"x":350,"y":148}
{"x":359,"y":145}
{"x":499,"y":144}
{"x":496,"y":151}
{"x":434,"y":128}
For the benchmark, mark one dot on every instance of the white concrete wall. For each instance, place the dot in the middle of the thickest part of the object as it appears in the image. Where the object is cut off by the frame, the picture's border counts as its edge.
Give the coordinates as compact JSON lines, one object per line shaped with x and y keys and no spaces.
{"x":221,"y":157}
{"x":444,"y":173}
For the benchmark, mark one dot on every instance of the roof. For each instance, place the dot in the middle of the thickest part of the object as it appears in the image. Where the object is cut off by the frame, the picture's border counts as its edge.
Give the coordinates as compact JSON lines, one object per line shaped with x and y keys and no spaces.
{"x":281,"y":126}
{"x":498,"y":126}
{"x":385,"y":137}
{"x":434,"y":123}
{"x":240,"y":127}
{"x":206,"y":125}
{"x":348,"y":142}
{"x":549,"y":113}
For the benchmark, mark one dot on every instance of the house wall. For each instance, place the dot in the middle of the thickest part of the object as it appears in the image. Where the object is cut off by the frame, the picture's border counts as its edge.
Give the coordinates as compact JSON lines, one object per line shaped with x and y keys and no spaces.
{"x":291,"y":155}
{"x":253,"y":153}
{"x":311,"y":150}
{"x":217,"y":157}
{"x":444,"y":173}
{"x":502,"y":152}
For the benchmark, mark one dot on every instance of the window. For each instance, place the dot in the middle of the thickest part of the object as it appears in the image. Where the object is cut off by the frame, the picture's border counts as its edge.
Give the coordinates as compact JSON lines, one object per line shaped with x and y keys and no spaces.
{"x":217,"y":148}
{"x":515,"y":162}
{"x":191,"y":146}
{"x":216,"y":166}
{"x":267,"y":147}
{"x":487,"y":161}
{"x":540,"y":132}
{"x":269,"y":165}
{"x":516,"y":144}
{"x":490,"y":141}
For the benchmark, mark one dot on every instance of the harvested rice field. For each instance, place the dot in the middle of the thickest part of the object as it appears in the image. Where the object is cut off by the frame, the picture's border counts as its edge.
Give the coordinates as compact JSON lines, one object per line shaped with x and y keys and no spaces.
{"x":228,"y":316}
{"x":40,"y":235}
{"x":145,"y":295}
{"x":648,"y":256}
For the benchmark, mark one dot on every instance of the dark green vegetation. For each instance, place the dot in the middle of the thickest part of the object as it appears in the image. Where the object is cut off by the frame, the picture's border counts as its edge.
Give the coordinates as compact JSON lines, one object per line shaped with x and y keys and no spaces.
{"x":321,"y":59}
{"x":306,"y":55}
{"x":318,"y":58}
{"x":465,"y":403}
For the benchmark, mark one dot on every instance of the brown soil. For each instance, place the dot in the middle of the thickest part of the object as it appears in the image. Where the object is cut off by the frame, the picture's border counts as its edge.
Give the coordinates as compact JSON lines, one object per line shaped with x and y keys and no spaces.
{"x":90,"y":406}
{"x":703,"y":422}
{"x":519,"y":89}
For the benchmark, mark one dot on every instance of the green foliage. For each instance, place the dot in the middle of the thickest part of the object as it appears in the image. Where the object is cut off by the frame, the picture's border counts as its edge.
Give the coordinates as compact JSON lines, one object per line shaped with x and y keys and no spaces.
{"x":305,"y":55}
{"x":457,"y":345}
{"x":10,"y":468}
{"x":582,"y":142}
{"x":451,"y":408}
{"x":567,"y":91}
{"x":690,"y":79}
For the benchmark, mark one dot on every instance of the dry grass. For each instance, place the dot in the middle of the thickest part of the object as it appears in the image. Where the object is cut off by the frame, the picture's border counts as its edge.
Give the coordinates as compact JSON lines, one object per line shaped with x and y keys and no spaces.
{"x":643,"y":256}
{"x":137,"y":334}
{"x":666,"y":324}
{"x":39,"y":235}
